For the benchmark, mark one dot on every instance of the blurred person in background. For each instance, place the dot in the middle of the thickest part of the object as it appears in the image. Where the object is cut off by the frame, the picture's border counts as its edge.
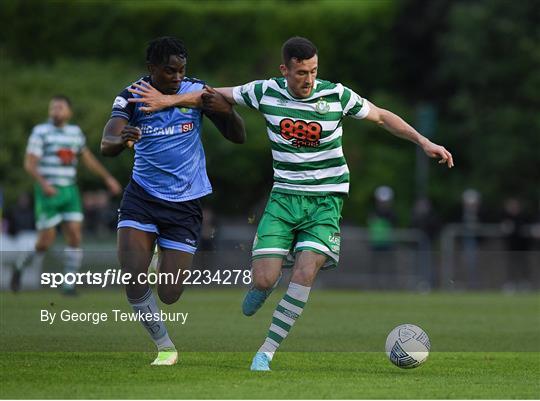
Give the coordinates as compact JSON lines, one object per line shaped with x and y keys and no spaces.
{"x":51,"y":160}
{"x":381,"y":223}
{"x":514,"y":226}
{"x":471,"y":200}
{"x":20,"y":217}
{"x":425,"y":219}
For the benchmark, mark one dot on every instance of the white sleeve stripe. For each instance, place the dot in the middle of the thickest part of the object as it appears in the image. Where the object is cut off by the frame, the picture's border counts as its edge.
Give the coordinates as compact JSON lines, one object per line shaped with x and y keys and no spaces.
{"x":340,"y":90}
{"x":351,"y":103}
{"x":252,"y":97}
{"x":237,"y":95}
{"x":363,"y":112}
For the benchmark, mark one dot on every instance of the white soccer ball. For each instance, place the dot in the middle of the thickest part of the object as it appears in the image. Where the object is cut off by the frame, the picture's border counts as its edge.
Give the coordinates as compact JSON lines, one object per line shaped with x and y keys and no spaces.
{"x":407,"y":346}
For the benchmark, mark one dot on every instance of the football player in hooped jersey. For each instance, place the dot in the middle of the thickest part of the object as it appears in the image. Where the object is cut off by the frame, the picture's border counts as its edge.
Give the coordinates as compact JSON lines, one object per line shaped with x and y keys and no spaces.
{"x":51,"y":159}
{"x":304,"y":124}
{"x":161,"y":204}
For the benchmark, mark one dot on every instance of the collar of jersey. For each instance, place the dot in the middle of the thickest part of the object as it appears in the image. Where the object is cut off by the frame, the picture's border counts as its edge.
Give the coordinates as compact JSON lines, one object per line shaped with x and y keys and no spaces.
{"x":300,"y":99}
{"x":51,"y":124}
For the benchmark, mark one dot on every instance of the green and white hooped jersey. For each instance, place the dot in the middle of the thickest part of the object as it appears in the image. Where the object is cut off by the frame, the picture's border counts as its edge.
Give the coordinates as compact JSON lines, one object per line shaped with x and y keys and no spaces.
{"x":58,"y":149}
{"x":305,"y":134}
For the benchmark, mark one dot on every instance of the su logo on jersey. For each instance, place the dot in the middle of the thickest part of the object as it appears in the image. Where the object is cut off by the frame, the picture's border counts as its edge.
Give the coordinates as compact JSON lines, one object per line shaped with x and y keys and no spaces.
{"x":186,"y":127}
{"x":301,"y":132}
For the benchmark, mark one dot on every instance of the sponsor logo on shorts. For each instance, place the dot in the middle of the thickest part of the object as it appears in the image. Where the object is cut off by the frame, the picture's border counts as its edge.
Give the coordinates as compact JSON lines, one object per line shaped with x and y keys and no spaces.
{"x":335,"y":240}
{"x":191,"y":241}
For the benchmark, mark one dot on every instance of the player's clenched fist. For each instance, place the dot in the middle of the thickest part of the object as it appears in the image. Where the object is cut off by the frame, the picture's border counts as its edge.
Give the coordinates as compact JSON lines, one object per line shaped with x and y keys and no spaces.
{"x":130,"y":135}
{"x":214,"y":102}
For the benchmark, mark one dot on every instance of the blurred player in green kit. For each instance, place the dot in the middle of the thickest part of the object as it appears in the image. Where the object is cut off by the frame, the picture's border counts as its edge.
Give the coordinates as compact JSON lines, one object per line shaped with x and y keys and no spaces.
{"x":51,"y":159}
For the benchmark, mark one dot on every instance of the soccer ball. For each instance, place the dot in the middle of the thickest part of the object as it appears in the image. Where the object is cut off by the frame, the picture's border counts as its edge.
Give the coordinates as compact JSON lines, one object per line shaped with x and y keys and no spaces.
{"x":407,"y":346}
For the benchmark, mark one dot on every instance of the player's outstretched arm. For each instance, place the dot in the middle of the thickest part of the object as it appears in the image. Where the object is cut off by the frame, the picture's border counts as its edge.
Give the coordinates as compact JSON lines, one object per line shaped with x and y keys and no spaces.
{"x":155,"y":100}
{"x":221,"y":112}
{"x":227,"y":93}
{"x":397,"y":126}
{"x":97,"y":168}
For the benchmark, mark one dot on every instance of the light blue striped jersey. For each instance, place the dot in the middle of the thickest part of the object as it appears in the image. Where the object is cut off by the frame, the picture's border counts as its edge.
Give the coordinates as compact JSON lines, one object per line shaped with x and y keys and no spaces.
{"x":169,"y":158}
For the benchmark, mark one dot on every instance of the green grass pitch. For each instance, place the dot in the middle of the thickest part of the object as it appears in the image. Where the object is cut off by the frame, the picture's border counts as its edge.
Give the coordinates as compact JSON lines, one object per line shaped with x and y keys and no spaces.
{"x":484,"y":345}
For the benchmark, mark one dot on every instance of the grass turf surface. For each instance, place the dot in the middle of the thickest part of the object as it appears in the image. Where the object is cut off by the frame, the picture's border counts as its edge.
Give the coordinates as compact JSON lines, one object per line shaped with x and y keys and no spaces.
{"x":485,"y":345}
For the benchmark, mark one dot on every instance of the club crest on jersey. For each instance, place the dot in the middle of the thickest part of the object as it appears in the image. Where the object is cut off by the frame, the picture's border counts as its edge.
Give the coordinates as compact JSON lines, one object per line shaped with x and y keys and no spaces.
{"x":322,"y":106}
{"x":282,"y":102}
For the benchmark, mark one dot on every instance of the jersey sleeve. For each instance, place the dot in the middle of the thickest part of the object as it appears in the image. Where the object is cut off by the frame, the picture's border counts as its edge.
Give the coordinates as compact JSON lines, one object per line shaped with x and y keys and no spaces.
{"x":35,"y":143}
{"x":353,"y":104}
{"x":121,"y":107}
{"x":83,"y":140}
{"x":249,"y":94}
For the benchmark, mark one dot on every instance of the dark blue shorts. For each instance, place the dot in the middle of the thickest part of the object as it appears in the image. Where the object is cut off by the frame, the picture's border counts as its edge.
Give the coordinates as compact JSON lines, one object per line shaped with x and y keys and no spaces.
{"x":177,"y":224}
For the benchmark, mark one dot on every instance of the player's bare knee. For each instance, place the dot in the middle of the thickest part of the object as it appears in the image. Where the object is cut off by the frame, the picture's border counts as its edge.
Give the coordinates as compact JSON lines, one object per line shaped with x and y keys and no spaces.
{"x":169,"y":299}
{"x":263,"y":280}
{"x":43,"y":244}
{"x":42,"y":247}
{"x":263,"y":284}
{"x":169,"y":295}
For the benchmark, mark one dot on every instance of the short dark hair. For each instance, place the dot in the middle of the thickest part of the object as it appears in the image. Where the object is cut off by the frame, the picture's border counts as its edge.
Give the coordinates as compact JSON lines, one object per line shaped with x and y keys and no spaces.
{"x":161,"y":49}
{"x":62,"y":98}
{"x":299,"y":48}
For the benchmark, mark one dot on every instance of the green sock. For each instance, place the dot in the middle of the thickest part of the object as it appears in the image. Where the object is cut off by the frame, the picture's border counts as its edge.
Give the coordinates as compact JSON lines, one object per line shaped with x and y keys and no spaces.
{"x":288,"y":310}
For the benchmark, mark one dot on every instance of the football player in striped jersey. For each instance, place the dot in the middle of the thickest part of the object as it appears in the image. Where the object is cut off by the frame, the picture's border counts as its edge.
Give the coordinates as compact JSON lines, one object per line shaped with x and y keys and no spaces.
{"x":51,"y":160}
